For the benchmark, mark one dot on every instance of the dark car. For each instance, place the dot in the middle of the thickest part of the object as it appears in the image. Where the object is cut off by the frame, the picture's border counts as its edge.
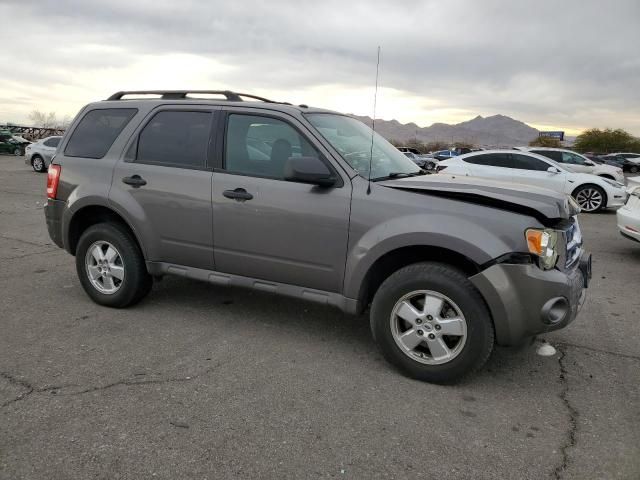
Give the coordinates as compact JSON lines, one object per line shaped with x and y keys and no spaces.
{"x":445,"y":154}
{"x":9,"y":144}
{"x":617,"y":160}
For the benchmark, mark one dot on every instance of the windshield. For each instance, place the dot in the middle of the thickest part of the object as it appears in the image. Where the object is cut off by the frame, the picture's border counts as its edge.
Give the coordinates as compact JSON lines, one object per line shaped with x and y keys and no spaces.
{"x":352,"y":139}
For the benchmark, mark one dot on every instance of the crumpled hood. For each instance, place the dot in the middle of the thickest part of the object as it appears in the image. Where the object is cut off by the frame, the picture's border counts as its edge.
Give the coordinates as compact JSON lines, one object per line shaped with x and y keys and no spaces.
{"x":541,"y":203}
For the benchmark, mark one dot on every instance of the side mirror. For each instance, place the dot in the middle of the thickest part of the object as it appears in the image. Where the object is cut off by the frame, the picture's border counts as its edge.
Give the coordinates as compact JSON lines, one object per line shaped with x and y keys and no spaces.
{"x":591,"y":163}
{"x":308,"y":170}
{"x":553,"y":170}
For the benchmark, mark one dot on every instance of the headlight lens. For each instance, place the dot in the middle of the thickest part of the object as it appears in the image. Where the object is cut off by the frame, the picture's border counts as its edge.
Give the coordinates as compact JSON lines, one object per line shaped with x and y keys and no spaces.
{"x":543,"y":244}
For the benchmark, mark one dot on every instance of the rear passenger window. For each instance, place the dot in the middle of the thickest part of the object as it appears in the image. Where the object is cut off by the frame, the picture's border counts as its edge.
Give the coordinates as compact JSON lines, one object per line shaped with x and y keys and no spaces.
{"x":97,"y":131}
{"x":260,"y":146}
{"x":52,"y":142}
{"x":491,"y":160}
{"x":176,"y":138}
{"x":525,"y":162}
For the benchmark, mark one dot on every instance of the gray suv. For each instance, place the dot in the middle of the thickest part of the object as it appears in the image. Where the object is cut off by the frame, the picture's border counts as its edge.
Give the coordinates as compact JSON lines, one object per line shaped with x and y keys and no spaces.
{"x":309,"y":203}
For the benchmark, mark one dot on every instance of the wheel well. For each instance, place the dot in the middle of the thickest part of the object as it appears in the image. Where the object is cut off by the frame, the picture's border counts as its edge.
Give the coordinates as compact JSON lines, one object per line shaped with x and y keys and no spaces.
{"x":396,"y":259}
{"x":88,"y":216}
{"x":604,"y":193}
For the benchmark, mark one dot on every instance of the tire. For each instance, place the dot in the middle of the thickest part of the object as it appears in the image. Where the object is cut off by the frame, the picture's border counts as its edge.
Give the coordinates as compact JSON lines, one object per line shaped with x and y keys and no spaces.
{"x":130,"y":284}
{"x":17,"y":152}
{"x":469,"y":351}
{"x":591,"y":198}
{"x":37,"y":162}
{"x":634,"y":169}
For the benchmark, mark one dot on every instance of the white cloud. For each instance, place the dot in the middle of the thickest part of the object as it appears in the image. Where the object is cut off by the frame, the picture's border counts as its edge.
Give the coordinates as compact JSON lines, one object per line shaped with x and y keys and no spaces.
{"x":568,"y":65}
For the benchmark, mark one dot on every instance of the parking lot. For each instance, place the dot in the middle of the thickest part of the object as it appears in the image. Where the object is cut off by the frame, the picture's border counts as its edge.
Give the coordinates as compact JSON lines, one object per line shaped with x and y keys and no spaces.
{"x":204,"y":382}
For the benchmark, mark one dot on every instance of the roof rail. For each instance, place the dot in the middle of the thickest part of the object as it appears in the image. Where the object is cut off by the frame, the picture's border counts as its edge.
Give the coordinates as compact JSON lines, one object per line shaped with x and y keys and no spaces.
{"x":182,"y":94}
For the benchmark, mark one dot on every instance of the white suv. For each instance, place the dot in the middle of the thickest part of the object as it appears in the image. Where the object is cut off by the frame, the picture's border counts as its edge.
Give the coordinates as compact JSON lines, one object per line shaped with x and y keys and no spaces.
{"x":593,"y":193}
{"x":575,"y":162}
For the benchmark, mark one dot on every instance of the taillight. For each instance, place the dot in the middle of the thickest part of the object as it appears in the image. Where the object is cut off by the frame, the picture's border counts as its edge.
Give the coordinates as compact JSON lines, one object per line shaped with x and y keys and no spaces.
{"x":53,"y":177}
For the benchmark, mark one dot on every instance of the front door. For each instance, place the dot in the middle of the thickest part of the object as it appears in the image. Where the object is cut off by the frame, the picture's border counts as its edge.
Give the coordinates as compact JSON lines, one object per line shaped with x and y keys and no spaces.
{"x":164,"y":183}
{"x":530,"y":170}
{"x":269,"y":228}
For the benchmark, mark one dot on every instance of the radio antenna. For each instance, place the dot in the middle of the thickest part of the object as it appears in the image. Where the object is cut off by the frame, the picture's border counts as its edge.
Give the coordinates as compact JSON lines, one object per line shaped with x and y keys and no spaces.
{"x":373,"y":122}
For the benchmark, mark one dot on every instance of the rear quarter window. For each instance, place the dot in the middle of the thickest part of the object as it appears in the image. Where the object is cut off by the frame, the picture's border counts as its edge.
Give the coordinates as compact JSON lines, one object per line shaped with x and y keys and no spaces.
{"x":97,"y":131}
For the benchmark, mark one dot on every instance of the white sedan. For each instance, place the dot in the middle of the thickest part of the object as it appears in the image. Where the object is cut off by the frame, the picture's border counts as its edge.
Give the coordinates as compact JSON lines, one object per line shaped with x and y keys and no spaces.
{"x":574,"y":162}
{"x":629,"y":216}
{"x":592,"y":193}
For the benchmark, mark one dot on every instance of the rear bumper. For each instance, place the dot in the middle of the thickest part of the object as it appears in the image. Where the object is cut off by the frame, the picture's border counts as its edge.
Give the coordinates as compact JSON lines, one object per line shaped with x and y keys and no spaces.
{"x":53,"y":211}
{"x":525,"y":300}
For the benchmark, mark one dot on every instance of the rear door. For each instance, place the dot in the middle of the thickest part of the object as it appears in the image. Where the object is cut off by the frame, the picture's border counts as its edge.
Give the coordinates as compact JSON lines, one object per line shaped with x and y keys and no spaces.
{"x":164,"y":182}
{"x":490,"y":165}
{"x":266,"y":227}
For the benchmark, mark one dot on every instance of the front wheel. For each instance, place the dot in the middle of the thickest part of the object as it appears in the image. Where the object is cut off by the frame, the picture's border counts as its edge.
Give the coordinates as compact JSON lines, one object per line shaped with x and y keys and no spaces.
{"x":431,"y":323}
{"x":591,"y":198}
{"x":634,"y":169}
{"x":17,"y":152}
{"x":111,"y":267}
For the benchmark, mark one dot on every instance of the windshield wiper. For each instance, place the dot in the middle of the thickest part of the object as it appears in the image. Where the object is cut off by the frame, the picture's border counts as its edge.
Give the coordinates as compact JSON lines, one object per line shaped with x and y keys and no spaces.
{"x":400,"y":174}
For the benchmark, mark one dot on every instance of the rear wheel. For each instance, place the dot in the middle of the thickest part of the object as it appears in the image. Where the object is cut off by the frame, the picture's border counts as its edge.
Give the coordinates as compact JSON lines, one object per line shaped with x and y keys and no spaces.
{"x":431,"y":323}
{"x":111,"y":267}
{"x":591,"y":198}
{"x":37,"y":163}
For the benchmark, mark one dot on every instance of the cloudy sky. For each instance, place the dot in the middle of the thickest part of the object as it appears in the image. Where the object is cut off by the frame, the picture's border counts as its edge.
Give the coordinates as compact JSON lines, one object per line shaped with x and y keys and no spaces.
{"x":568,"y":65}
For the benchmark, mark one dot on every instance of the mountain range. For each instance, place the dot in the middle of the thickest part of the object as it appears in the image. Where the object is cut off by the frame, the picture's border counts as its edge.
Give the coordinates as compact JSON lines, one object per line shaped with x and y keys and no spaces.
{"x":493,"y":131}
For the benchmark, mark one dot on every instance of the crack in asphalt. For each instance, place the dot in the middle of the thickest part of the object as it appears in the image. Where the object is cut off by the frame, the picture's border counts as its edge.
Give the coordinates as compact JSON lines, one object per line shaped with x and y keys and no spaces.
{"x":30,"y":389}
{"x":21,"y":383}
{"x":598,"y":350}
{"x":48,"y":250}
{"x":128,"y":382}
{"x":21,"y":240}
{"x":571,"y":439}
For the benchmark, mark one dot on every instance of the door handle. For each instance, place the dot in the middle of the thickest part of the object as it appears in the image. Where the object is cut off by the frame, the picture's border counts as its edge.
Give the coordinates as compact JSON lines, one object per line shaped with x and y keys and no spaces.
{"x":135,"y":181}
{"x":239,"y":194}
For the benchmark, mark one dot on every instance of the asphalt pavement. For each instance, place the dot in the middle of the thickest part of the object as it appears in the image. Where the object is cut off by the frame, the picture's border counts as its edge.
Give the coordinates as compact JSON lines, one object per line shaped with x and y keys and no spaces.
{"x":209,"y":382}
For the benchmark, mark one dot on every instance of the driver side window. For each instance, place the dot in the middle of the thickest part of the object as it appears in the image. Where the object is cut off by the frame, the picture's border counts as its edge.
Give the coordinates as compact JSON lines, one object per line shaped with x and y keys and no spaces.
{"x":260,"y":146}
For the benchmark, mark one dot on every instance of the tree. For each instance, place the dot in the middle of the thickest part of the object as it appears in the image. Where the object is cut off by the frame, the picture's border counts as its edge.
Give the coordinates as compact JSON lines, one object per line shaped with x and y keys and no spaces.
{"x":606,"y":141}
{"x":545,"y":142}
{"x":48,"y":120}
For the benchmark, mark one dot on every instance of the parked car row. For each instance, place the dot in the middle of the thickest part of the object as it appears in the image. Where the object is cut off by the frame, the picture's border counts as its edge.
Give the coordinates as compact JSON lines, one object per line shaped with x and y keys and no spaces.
{"x":629,"y":162}
{"x":12,"y":144}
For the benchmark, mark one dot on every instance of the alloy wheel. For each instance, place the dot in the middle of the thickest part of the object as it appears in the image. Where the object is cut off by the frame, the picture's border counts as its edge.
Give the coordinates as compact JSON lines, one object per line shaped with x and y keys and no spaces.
{"x":428,"y":327}
{"x":104,"y":267}
{"x":589,"y":199}
{"x":38,"y":164}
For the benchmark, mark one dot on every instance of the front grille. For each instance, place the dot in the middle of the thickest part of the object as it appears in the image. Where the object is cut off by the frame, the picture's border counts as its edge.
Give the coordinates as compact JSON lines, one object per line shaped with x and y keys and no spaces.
{"x":573,"y":240}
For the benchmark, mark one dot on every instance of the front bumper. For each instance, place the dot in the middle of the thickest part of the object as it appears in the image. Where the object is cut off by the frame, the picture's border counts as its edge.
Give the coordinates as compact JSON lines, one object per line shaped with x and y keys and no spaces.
{"x":525,"y":300}
{"x":617,"y":197}
{"x":53,"y":211}
{"x":629,"y":222}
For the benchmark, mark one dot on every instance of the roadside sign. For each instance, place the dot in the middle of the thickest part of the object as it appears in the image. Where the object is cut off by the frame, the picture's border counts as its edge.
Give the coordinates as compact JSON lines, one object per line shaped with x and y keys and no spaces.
{"x":557,"y":135}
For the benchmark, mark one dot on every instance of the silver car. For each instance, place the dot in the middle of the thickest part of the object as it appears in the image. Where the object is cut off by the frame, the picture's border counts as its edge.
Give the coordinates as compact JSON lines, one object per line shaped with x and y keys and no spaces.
{"x":40,"y":153}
